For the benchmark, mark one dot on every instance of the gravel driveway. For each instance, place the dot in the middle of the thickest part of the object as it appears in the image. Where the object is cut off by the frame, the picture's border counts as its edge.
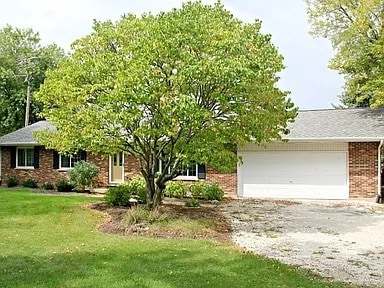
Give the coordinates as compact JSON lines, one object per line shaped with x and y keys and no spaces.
{"x":336,"y":239}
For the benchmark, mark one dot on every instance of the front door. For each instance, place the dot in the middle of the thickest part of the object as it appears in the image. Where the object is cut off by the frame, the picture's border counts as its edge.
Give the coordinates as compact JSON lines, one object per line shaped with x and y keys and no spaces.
{"x":117,"y":168}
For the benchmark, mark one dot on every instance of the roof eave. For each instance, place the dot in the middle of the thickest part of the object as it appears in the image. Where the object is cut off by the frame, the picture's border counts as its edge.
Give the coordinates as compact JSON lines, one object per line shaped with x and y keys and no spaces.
{"x":336,"y":139}
{"x":20,"y":144}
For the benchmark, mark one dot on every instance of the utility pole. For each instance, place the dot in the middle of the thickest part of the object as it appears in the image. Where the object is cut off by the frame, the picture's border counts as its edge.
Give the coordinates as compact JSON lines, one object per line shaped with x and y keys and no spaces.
{"x":28,"y":77}
{"x":28,"y":104}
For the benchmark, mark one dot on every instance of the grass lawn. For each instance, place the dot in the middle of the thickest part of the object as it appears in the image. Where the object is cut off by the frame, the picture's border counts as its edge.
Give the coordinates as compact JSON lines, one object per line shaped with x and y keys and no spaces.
{"x":53,"y":241}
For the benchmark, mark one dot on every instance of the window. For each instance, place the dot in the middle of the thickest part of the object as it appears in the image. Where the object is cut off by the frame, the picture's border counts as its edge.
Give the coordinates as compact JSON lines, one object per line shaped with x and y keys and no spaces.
{"x":67,"y":162}
{"x":187,"y":172}
{"x":25,"y":158}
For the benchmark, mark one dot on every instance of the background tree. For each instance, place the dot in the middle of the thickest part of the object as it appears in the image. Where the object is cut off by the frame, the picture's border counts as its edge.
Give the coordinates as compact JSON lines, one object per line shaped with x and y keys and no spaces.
{"x":178,"y":88}
{"x":22,"y":60}
{"x":355,"y":28}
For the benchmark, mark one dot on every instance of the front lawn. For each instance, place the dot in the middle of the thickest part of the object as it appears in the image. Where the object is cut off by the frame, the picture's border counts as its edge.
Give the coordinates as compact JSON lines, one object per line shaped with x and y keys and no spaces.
{"x":53,"y":241}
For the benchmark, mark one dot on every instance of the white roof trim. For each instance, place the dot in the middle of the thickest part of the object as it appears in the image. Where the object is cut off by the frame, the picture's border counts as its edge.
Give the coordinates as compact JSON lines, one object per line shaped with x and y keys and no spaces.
{"x":332,"y":139}
{"x":20,"y":144}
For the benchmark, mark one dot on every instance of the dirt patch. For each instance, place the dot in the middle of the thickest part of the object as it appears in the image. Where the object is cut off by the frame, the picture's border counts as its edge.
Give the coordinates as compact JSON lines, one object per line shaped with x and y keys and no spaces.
{"x":219,"y":230}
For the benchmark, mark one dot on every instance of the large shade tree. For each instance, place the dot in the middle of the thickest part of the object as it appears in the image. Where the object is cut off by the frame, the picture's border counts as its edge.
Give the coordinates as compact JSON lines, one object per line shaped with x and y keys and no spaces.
{"x":355,"y":29}
{"x":177,"y":88}
{"x":23,"y":63}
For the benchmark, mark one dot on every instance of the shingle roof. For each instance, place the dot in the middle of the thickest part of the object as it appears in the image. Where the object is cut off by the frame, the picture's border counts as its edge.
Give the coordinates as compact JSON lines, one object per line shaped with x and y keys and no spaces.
{"x":360,"y":124}
{"x":25,"y":135}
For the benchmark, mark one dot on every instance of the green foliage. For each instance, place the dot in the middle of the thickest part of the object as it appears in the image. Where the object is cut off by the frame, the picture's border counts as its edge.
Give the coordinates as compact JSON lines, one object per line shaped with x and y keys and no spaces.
{"x":118,"y":195}
{"x":175,"y":189}
{"x":12,"y":181}
{"x":30,"y":183}
{"x":141,"y":214}
{"x":22,"y":60}
{"x":83,"y":174}
{"x":207,"y":191}
{"x":64,"y":186}
{"x":138,"y":188}
{"x":192,"y":202}
{"x":162,"y":87}
{"x":355,"y":29}
{"x":47,"y":186}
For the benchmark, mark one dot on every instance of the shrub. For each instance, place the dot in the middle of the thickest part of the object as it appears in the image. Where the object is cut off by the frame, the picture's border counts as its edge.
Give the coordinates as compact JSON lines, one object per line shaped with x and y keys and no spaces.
{"x":175,"y":189}
{"x":47,"y":186}
{"x":83,"y":174}
{"x":208,"y":191}
{"x":30,"y":183}
{"x":12,"y":181}
{"x":138,"y":187}
{"x":118,"y":195}
{"x":213,"y":191}
{"x":64,"y":186}
{"x":192,"y":202}
{"x":197,"y":190}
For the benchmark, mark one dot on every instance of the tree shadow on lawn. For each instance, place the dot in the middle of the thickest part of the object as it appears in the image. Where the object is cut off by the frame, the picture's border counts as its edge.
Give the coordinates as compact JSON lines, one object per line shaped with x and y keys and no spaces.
{"x":157,"y":266}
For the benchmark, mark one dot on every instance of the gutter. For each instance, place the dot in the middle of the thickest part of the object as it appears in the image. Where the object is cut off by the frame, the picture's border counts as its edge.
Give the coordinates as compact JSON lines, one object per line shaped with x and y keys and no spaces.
{"x":334,"y":139}
{"x":379,"y":196}
{"x":20,"y":144}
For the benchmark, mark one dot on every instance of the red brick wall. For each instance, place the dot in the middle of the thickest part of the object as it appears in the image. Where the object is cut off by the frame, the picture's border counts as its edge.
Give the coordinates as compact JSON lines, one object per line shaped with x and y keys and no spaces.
{"x":228,"y":181}
{"x":131,"y":166}
{"x":363,"y":169}
{"x":46,"y":172}
{"x":103,"y":163}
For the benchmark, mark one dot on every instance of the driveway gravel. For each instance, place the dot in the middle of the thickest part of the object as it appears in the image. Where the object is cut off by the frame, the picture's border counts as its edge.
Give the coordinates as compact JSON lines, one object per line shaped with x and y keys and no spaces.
{"x":340,"y":240}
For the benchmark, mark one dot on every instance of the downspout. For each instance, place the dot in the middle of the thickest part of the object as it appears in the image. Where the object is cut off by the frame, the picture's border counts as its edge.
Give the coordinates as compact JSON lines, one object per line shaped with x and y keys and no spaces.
{"x":379,"y":197}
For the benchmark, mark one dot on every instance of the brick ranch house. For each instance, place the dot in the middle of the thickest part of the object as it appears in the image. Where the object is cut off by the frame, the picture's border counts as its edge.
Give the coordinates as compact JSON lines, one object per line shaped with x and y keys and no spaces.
{"x":329,"y":154}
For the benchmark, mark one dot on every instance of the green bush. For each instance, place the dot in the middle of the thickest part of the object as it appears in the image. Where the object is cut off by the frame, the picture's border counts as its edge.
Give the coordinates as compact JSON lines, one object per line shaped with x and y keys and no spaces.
{"x":213,"y":191}
{"x":30,"y":183}
{"x":207,"y":191}
{"x":64,"y":186}
{"x":118,"y":195}
{"x":175,"y":189}
{"x":47,"y":186}
{"x":197,"y":190}
{"x":12,"y":181}
{"x":192,"y":202}
{"x":83,"y":174}
{"x":138,"y":187}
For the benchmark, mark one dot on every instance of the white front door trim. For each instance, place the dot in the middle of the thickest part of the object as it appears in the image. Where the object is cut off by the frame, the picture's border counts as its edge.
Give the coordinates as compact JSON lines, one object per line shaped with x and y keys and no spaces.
{"x":111,"y":168}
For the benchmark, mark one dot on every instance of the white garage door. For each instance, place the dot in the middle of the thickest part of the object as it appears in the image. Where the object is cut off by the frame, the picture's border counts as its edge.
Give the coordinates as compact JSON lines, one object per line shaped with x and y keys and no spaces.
{"x":294,"y":174}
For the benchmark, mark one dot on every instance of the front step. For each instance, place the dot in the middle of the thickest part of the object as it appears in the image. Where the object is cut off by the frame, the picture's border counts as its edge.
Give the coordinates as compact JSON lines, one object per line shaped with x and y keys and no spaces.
{"x":100,"y":190}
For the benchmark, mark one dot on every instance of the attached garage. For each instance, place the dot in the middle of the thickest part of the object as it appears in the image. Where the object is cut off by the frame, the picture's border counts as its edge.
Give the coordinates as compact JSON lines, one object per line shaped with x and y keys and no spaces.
{"x":294,"y":170}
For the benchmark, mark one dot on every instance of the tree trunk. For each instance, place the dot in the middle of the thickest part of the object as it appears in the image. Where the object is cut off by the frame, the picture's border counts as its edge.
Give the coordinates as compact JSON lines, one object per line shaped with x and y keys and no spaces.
{"x":154,"y":192}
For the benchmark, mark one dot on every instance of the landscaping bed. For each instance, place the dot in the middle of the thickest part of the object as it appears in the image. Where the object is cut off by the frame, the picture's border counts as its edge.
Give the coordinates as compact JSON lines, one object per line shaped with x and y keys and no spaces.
{"x":178,"y":221}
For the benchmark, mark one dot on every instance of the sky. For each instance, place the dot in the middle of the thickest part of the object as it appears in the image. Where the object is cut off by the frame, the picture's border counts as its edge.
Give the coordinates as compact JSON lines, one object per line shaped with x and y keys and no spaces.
{"x":311,"y":83}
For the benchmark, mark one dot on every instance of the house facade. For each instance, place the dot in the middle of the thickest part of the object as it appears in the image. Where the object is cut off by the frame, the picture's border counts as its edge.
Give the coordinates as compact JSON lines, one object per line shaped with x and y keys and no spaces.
{"x":21,"y":155}
{"x":328,"y":154}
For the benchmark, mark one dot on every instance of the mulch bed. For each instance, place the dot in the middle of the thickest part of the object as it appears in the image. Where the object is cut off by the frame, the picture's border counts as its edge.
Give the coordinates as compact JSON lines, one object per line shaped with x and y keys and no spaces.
{"x":114,"y":223}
